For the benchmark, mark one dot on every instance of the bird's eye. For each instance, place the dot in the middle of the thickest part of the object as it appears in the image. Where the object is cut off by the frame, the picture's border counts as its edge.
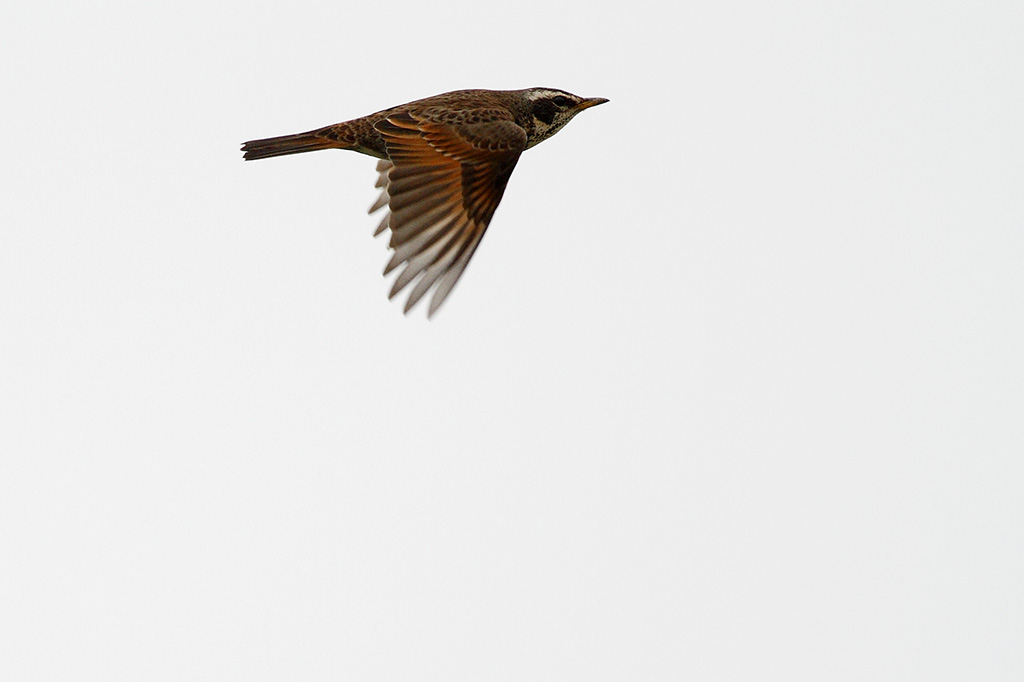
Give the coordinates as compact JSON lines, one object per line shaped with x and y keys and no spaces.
{"x":560,"y":101}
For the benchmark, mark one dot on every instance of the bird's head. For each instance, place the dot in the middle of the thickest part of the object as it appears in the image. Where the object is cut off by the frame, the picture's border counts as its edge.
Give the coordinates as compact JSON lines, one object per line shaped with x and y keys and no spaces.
{"x":551,"y":109}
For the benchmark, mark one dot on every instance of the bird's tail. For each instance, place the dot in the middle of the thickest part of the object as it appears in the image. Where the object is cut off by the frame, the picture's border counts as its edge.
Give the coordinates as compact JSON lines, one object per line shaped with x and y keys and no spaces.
{"x":288,"y":144}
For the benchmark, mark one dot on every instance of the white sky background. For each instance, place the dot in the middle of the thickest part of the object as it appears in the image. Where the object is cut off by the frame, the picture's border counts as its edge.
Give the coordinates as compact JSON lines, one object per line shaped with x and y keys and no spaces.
{"x":732,"y":390}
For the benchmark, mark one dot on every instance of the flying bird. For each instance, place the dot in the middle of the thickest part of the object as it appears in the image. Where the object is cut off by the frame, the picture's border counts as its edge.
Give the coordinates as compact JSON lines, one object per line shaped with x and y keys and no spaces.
{"x":444,"y":164}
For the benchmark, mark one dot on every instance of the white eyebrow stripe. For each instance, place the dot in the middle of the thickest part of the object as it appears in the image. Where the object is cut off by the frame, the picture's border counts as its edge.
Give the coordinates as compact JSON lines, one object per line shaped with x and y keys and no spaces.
{"x":543,"y":94}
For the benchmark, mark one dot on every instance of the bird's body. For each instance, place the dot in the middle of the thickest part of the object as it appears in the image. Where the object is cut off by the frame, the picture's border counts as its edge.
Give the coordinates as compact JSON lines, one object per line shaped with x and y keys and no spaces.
{"x":445,"y":162}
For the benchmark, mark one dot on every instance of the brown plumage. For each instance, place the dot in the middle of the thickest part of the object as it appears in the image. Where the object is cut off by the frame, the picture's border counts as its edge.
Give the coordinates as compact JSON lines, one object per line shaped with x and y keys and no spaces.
{"x":445,"y":162}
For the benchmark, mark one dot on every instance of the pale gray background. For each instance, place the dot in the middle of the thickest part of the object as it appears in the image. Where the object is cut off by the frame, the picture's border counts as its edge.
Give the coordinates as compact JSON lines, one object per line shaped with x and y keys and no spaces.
{"x":733,"y":389}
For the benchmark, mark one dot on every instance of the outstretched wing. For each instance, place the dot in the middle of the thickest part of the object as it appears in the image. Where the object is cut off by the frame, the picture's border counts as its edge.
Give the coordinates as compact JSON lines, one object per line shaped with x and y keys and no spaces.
{"x":442,"y":183}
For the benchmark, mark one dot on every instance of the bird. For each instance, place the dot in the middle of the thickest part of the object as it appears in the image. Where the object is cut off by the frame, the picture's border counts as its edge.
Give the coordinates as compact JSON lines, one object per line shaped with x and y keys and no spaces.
{"x":444,"y":163}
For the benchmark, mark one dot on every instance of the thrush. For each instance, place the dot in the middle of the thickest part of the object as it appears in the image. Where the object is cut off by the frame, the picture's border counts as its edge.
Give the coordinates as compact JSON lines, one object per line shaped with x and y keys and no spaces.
{"x":444,"y":164}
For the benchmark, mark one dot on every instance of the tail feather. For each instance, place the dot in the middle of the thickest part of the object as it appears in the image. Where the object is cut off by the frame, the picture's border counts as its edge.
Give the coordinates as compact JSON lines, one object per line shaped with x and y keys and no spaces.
{"x":287,"y":144}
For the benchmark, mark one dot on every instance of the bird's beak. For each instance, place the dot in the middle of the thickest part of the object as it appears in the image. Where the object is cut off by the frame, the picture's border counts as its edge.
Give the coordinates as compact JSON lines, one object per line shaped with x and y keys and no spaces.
{"x":591,"y":102}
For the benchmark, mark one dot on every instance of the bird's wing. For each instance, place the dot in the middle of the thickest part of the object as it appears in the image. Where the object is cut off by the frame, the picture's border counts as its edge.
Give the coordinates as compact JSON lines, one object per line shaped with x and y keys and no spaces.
{"x":442,"y":183}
